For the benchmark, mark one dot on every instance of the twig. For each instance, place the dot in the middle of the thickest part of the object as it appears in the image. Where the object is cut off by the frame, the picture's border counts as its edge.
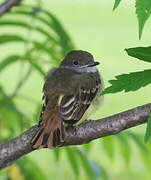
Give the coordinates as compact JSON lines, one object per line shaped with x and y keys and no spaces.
{"x":7,"y":5}
{"x":83,"y":133}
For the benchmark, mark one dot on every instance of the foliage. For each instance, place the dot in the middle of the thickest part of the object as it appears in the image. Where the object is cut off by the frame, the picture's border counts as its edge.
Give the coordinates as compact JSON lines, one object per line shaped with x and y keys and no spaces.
{"x":26,"y":167}
{"x":143,"y":11}
{"x":116,"y":4}
{"x":135,"y":80}
{"x":42,"y":42}
{"x":53,"y":44}
{"x":129,"y":82}
{"x":148,"y":129}
{"x":142,"y":53}
{"x":93,"y":170}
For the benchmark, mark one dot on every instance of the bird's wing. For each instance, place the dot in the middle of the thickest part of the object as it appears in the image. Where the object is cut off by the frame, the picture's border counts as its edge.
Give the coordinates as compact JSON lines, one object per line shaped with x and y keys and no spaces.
{"x":73,"y":107}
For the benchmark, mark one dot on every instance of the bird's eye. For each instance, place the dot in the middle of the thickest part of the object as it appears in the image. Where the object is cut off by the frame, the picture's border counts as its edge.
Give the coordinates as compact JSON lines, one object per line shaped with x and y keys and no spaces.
{"x":75,"y":63}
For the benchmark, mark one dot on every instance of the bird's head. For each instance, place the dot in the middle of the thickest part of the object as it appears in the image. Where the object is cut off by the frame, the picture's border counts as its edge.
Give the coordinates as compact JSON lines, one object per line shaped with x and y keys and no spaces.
{"x":80,"y":61}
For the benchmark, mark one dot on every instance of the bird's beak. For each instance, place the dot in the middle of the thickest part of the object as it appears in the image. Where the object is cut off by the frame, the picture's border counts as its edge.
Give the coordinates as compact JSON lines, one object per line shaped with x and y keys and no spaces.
{"x":93,"y":64}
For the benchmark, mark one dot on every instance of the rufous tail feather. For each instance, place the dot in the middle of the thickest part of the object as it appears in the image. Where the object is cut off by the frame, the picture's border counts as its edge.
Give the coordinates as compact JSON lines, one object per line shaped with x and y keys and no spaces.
{"x":51,"y":134}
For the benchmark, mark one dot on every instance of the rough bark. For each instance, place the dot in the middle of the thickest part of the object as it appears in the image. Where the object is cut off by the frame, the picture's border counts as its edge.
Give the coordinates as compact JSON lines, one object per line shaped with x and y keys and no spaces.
{"x":83,"y":133}
{"x":7,"y":5}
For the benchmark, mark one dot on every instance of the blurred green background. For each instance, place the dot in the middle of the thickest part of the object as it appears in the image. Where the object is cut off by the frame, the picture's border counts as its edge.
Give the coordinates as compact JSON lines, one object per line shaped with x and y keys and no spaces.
{"x":94,"y":27}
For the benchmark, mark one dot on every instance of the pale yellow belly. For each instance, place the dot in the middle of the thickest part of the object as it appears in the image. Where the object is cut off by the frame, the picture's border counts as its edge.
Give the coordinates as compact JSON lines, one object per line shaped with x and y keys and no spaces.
{"x":94,"y":106}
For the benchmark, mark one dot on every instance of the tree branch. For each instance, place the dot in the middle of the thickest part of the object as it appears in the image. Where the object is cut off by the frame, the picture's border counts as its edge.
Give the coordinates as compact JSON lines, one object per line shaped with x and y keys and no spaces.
{"x":7,"y":5}
{"x":83,"y":133}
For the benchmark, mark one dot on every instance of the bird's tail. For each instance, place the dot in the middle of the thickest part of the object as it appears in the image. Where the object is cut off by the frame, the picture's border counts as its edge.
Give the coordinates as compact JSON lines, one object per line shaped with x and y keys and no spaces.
{"x":51,"y":134}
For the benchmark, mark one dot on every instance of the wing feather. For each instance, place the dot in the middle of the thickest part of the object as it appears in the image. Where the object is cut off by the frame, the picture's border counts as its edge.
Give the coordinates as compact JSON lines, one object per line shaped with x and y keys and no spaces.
{"x":73,"y":107}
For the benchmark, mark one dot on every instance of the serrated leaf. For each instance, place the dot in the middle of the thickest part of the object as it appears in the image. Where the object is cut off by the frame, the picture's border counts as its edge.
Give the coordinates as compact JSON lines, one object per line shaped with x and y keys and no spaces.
{"x":143,"y":11}
{"x":129,"y":82}
{"x":142,"y":53}
{"x":116,"y":4}
{"x":7,"y":61}
{"x":6,"y":38}
{"x":71,"y":155}
{"x":148,"y":129}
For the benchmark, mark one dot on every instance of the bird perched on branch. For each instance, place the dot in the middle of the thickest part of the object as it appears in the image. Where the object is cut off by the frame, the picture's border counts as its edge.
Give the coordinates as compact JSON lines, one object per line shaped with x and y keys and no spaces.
{"x":70,"y":95}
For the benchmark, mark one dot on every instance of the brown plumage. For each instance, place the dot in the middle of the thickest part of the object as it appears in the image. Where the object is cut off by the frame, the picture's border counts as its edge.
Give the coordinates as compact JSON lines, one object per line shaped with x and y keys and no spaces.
{"x":68,"y":94}
{"x":52,"y":133}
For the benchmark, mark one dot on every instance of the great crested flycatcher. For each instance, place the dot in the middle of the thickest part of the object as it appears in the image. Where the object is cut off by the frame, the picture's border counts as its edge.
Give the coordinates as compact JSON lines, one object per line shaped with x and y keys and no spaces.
{"x":70,"y":93}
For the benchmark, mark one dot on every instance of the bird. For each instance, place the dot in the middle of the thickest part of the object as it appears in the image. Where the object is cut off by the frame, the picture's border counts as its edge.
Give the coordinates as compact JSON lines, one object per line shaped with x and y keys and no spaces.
{"x":70,"y":93}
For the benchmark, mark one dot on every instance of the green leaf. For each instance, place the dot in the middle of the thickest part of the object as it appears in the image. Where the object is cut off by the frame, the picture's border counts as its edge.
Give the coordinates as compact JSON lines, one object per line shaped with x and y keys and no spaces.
{"x":143,"y":11}
{"x":104,"y":174}
{"x":12,"y":22}
{"x":30,"y":170}
{"x":56,"y":152}
{"x":7,"y":61}
{"x":71,"y":155}
{"x":6,"y":38}
{"x":37,"y":67}
{"x":124,"y":146}
{"x":108,"y":144}
{"x":148,"y":129}
{"x":52,"y":22}
{"x":27,"y":9}
{"x":116,"y":3}
{"x":138,"y":141}
{"x":65,"y":40}
{"x":92,"y":169}
{"x":87,"y":147}
{"x":8,"y":22}
{"x":142,"y":53}
{"x":11,"y":116}
{"x":44,"y":32}
{"x":129,"y":82}
{"x":48,"y":50}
